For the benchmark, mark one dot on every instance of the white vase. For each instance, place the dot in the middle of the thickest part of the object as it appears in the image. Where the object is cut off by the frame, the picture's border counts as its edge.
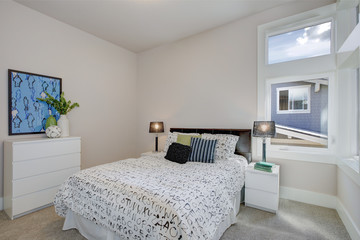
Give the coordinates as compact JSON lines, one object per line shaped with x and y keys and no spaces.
{"x":63,"y":123}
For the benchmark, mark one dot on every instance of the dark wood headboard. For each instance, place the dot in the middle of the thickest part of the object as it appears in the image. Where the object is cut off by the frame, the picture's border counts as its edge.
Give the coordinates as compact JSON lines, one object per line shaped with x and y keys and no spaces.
{"x":243,"y":146}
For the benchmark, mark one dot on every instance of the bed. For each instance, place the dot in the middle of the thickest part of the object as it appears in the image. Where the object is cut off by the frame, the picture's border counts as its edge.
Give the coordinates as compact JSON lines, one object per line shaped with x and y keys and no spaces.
{"x":153,"y":198}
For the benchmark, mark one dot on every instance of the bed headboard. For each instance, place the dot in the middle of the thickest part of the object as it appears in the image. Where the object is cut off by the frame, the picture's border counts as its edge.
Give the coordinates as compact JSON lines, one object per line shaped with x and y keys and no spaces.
{"x":243,"y":146}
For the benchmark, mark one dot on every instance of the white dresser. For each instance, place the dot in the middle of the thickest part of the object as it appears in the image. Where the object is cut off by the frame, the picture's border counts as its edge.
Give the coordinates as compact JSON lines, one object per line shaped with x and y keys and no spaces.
{"x":34,"y":169}
{"x":262,"y":188}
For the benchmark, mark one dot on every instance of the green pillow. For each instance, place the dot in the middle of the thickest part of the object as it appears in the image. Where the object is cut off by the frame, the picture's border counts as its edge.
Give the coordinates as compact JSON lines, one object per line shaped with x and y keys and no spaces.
{"x":186,"y":139}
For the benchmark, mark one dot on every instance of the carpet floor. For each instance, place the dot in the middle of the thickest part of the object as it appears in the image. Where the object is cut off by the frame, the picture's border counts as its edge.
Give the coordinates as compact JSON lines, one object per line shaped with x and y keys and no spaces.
{"x":294,"y":220}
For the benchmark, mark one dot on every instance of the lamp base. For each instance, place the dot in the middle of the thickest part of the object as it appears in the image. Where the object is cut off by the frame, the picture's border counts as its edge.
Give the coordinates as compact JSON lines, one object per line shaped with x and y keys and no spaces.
{"x":264,"y":150}
{"x":156,"y":143}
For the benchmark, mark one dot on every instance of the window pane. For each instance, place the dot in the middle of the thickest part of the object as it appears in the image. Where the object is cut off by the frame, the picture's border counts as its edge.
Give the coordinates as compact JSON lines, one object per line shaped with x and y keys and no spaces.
{"x":358,"y":110}
{"x":303,"y":43}
{"x":305,"y":122}
{"x":298,"y":98}
{"x":283,"y":100}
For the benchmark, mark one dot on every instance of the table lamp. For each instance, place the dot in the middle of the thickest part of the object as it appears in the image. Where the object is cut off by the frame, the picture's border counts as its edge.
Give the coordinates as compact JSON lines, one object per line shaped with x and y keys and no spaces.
{"x":264,"y":129}
{"x":156,"y":127}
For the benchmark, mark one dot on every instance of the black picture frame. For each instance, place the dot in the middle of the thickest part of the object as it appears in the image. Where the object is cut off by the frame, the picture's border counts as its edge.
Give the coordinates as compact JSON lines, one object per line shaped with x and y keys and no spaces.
{"x":23,"y":107}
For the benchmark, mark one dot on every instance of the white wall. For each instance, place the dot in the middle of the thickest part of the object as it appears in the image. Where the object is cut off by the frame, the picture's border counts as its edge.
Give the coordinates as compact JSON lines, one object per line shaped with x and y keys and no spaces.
{"x":97,"y":74}
{"x":210,"y":80}
{"x":349,"y":196}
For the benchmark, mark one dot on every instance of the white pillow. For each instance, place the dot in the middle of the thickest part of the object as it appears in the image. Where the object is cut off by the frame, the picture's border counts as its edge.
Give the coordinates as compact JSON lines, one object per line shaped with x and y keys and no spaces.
{"x":225,"y":146}
{"x":172,"y":137}
{"x":238,"y":158}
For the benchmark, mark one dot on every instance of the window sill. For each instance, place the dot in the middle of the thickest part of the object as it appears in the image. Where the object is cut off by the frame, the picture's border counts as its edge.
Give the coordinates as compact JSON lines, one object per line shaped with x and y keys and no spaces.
{"x":350,"y":167}
{"x":318,"y":157}
{"x":304,"y":154}
{"x":352,"y":163}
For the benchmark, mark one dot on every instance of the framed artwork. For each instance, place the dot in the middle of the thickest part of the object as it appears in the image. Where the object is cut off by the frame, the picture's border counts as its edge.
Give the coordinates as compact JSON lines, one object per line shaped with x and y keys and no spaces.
{"x":27,"y":115}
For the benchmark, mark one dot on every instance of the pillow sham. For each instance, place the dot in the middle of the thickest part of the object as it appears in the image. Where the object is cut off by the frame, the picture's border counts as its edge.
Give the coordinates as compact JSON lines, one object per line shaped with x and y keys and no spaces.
{"x":238,"y":158}
{"x":202,"y":150}
{"x":172,"y":137}
{"x":226,"y":144}
{"x":186,"y":139}
{"x":178,"y":153}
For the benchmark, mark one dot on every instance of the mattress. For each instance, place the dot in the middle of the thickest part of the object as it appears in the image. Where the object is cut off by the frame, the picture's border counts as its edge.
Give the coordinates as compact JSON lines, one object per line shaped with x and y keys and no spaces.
{"x":152,"y":198}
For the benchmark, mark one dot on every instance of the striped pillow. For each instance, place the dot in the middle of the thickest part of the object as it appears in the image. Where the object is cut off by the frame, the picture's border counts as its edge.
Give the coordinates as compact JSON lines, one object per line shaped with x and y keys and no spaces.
{"x":202,"y":150}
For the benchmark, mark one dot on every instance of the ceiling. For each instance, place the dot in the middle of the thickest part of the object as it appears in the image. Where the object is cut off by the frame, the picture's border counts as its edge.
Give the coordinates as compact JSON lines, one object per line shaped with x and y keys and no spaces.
{"x":139,"y":25}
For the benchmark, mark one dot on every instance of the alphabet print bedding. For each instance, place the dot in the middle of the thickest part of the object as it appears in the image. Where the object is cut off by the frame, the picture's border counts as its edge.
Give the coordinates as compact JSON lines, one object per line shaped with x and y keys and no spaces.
{"x":153,"y":198}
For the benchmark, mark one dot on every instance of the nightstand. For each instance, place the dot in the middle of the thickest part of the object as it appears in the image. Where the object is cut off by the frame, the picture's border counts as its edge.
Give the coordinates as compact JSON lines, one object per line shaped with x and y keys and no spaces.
{"x":262,"y":188}
{"x":145,"y":154}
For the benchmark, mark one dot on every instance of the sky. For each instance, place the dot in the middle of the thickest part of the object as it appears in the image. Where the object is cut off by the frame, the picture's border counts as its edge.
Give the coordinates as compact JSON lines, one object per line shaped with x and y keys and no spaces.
{"x":303,"y":43}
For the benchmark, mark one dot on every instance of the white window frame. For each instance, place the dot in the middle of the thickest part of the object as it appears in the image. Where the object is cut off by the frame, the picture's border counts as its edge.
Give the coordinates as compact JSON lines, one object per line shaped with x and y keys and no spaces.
{"x":292,"y":111}
{"x":276,"y":149}
{"x":297,"y":70}
{"x":348,"y":148}
{"x":356,"y":158}
{"x":348,"y":74}
{"x":298,"y":26}
{"x":358,"y":113}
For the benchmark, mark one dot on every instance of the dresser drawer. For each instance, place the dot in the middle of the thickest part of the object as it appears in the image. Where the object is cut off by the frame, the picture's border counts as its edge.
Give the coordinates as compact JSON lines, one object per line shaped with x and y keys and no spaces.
{"x":33,"y":200}
{"x":37,"y":183}
{"x":261,"y":199}
{"x":262,"y":181}
{"x":41,"y":149}
{"x":45,"y":165}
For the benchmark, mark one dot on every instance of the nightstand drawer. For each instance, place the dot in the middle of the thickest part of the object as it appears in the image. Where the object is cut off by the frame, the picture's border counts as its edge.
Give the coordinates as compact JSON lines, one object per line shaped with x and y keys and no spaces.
{"x":262,"y":181}
{"x":261,"y":199}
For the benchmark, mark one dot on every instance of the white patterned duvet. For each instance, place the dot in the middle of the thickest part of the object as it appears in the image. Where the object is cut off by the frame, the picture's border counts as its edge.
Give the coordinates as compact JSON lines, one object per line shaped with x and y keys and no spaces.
{"x":153,"y":198}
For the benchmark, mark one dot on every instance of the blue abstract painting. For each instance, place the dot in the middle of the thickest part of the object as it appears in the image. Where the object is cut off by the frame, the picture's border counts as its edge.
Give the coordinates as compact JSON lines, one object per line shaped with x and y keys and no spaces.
{"x":27,"y":115}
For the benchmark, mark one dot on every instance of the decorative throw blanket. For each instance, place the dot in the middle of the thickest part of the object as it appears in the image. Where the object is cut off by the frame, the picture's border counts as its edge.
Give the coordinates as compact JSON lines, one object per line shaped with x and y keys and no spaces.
{"x":153,"y":198}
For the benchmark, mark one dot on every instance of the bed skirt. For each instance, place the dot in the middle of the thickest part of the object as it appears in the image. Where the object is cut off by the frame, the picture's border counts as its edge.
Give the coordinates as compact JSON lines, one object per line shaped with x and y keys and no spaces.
{"x":93,"y":231}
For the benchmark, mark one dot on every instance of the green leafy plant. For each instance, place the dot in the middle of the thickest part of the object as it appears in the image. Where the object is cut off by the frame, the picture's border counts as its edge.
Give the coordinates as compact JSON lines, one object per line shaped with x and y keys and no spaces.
{"x":62,"y":106}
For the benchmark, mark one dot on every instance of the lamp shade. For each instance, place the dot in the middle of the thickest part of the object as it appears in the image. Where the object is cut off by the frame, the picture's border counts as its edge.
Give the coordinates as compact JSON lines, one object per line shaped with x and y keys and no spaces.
{"x":264,"y":129}
{"x":156,"y":127}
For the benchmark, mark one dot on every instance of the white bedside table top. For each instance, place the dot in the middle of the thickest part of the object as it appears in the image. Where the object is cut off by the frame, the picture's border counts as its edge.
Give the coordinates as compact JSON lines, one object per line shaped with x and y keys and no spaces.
{"x":152,"y":154}
{"x":275,"y":169}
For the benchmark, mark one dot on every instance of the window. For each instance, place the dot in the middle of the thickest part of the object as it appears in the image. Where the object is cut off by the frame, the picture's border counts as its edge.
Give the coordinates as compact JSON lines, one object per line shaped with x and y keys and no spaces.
{"x":302,"y":43}
{"x":298,"y":90}
{"x":354,"y":135}
{"x":358,"y":114}
{"x":295,"y":99}
{"x":305,"y":128}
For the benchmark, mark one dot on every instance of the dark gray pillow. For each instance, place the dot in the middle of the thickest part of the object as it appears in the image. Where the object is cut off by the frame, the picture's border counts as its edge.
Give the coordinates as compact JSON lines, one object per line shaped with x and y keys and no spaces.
{"x":178,"y":153}
{"x":202,"y":150}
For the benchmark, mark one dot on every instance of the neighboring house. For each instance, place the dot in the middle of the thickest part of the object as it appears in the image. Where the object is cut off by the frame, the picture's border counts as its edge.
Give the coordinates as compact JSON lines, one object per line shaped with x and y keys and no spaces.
{"x":300,"y":109}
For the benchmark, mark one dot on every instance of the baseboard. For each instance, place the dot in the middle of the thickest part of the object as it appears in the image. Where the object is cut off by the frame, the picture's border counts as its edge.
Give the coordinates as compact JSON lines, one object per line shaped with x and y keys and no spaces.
{"x":349,"y":223}
{"x":319,"y":199}
{"x":1,"y":204}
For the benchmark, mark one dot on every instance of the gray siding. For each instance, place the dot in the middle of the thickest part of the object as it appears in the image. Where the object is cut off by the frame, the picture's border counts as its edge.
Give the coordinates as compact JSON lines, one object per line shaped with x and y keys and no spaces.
{"x":315,"y":121}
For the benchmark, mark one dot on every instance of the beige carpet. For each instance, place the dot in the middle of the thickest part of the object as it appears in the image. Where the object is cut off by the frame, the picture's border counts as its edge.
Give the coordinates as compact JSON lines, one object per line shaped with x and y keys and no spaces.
{"x":294,"y":221}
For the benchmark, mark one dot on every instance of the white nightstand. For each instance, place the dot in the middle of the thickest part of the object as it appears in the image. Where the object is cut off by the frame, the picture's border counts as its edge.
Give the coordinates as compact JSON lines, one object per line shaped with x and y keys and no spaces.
{"x":262,"y":188}
{"x":145,"y":154}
